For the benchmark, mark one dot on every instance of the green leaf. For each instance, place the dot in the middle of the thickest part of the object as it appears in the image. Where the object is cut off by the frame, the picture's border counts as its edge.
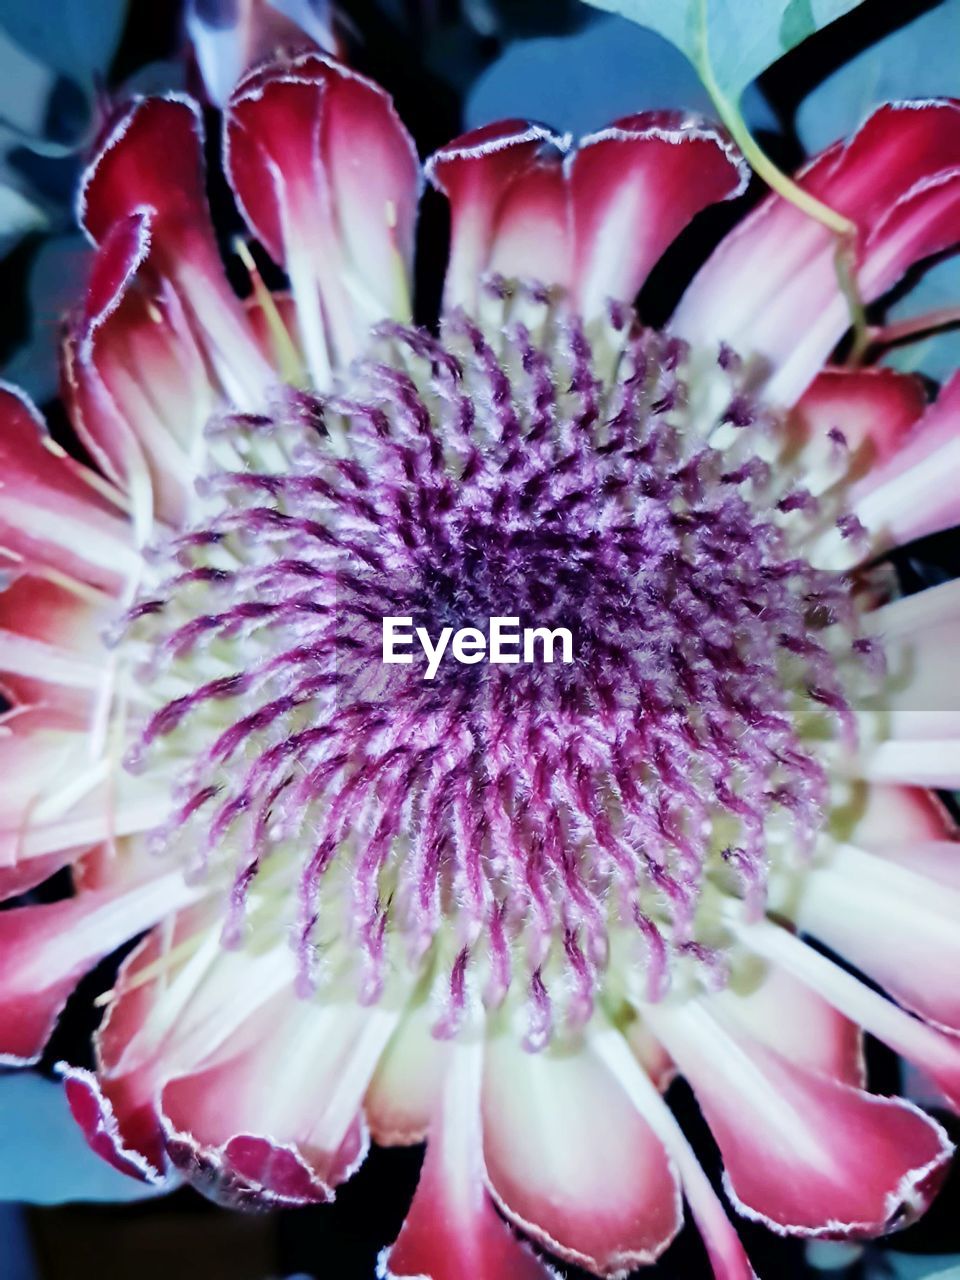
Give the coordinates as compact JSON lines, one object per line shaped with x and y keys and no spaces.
{"x":730,"y":42}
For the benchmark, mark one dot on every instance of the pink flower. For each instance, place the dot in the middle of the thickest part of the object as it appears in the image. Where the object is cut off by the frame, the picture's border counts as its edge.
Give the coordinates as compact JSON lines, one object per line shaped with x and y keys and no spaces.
{"x":501,"y":909}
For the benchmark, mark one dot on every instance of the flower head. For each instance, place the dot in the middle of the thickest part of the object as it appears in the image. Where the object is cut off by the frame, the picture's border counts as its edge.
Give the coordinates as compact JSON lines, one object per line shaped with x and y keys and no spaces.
{"x":494,"y":904}
{"x":516,"y":819}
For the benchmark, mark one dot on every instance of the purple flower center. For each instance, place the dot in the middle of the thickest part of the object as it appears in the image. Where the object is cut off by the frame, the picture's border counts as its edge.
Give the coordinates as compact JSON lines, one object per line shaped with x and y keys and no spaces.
{"x":508,"y":823}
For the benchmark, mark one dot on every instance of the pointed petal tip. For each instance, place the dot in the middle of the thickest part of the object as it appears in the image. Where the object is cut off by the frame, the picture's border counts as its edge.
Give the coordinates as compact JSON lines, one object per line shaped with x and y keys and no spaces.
{"x":148,"y":156}
{"x":94,"y":1113}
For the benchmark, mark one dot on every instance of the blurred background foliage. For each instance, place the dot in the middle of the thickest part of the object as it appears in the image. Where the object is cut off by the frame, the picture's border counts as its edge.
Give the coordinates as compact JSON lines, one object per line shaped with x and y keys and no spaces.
{"x":451,"y":64}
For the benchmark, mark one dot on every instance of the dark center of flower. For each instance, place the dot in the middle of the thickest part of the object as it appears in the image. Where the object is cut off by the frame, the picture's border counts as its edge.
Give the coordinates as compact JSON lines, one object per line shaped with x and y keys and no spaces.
{"x":503,"y":823}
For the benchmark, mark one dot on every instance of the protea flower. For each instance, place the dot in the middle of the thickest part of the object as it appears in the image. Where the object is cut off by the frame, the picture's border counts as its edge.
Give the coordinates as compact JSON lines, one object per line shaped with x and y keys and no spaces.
{"x":500,"y":908}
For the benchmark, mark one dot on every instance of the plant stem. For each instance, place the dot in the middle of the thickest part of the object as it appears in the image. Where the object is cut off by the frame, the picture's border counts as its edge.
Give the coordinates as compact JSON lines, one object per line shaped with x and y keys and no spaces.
{"x":758,"y":160}
{"x":765,"y":168}
{"x":845,"y":265}
{"x":842,"y":227}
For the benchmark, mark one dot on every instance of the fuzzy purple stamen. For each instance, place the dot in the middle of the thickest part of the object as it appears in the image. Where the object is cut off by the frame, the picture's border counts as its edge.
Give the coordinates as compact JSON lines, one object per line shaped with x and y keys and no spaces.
{"x":522,"y":813}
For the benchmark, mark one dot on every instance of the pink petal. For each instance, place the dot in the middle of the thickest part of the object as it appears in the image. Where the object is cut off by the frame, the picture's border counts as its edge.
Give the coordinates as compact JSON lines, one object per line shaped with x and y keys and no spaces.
{"x":96,"y":1115}
{"x":273,"y":319}
{"x":935,"y":1052}
{"x":784,"y":1014}
{"x":151,"y":164}
{"x":50,"y":646}
{"x":45,"y":950}
{"x":51,"y":516}
{"x":770,"y":290}
{"x":452,"y":1230}
{"x":137,"y":384}
{"x":889,"y":817}
{"x":923,"y":221}
{"x":803,"y":1153}
{"x":117,"y":1107}
{"x":572,"y":1162}
{"x":635,"y":185}
{"x":593,"y":220}
{"x":937,"y":860}
{"x":270,"y":122}
{"x":914,"y":492}
{"x":328,"y":179}
{"x":532,"y":236}
{"x":651,"y":1055}
{"x":920,"y":635}
{"x":245,"y":1132}
{"x":893,"y":923}
{"x":933,"y":612}
{"x":150,"y":161}
{"x":115,"y":863}
{"x":506,"y":187}
{"x":874,"y":409}
{"x":36,"y":744}
{"x":728,"y":1258}
{"x":41,"y":748}
{"x":914,"y":761}
{"x":374,"y":175}
{"x":911,"y":827}
{"x":177,"y":998}
{"x":403,"y":1092}
{"x":26,"y":875}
